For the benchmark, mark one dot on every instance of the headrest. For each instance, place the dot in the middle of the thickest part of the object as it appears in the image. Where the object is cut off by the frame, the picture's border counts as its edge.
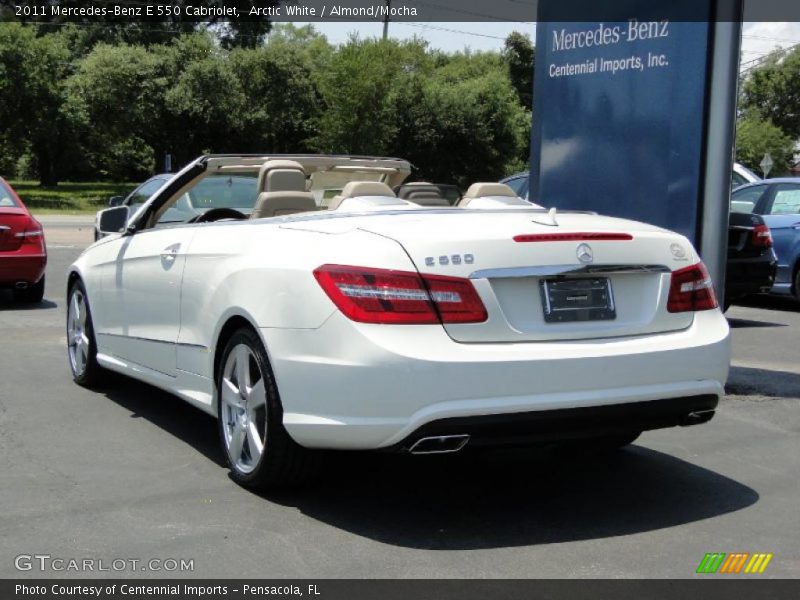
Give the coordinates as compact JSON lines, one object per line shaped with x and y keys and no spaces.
{"x":366,"y":188}
{"x":482,"y":190}
{"x":285,"y":175}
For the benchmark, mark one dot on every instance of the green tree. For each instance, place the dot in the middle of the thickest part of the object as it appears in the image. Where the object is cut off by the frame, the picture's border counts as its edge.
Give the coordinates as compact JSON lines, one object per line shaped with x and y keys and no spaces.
{"x":754,"y":138}
{"x":358,"y":90}
{"x":32,"y":99}
{"x":117,"y":97}
{"x":771,"y":91}
{"x":520,"y":56}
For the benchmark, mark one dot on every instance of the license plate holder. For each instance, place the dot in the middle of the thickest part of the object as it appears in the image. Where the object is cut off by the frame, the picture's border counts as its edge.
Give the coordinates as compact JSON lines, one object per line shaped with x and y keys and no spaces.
{"x":574,"y":300}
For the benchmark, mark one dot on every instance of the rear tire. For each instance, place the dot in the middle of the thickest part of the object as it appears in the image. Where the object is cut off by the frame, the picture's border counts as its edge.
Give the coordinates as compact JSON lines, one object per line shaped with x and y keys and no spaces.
{"x":81,"y":344}
{"x":797,"y":284}
{"x":259,"y":451}
{"x":33,"y":294}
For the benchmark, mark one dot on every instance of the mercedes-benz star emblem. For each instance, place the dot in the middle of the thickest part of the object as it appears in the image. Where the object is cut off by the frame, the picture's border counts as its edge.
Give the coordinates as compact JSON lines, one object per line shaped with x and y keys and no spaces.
{"x":584,"y":253}
{"x":677,"y":250}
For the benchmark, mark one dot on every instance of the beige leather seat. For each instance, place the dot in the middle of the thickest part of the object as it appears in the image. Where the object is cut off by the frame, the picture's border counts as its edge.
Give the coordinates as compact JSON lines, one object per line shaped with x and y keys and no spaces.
{"x":282,"y":186}
{"x":356,"y":189}
{"x":484,"y":190}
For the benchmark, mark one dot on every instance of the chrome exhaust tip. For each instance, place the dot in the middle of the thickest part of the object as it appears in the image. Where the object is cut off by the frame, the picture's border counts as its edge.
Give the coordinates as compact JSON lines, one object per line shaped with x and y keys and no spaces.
{"x":697,"y":417}
{"x":21,"y":285}
{"x":439,"y":444}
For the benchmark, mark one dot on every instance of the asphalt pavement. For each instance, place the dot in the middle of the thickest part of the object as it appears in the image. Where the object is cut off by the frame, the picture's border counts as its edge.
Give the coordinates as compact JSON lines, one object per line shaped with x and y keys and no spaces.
{"x":129,"y":472}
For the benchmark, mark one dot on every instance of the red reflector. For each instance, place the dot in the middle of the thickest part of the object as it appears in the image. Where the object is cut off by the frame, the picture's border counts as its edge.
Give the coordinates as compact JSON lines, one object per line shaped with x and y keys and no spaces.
{"x":371,"y":295}
{"x":691,"y":289}
{"x":597,"y":236}
{"x":761,"y":236}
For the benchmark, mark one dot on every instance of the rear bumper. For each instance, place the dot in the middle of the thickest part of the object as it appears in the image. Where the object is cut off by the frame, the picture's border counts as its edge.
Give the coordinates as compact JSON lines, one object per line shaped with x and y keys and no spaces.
{"x":354,"y":386}
{"x":750,"y":275}
{"x":21,"y":267}
{"x":521,"y":429}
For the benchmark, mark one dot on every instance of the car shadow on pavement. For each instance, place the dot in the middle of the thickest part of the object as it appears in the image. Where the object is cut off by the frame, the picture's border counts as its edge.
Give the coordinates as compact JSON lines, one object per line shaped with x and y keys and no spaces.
{"x":769,"y":302}
{"x":167,"y":412}
{"x":746,"y":323}
{"x":750,"y":381}
{"x":473,"y":500}
{"x":511,"y":498}
{"x":7,"y":303}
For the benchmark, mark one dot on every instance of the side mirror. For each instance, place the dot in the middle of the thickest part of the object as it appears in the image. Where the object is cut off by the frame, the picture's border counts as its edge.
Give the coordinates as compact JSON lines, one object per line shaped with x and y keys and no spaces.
{"x":113,"y":220}
{"x":116,"y":200}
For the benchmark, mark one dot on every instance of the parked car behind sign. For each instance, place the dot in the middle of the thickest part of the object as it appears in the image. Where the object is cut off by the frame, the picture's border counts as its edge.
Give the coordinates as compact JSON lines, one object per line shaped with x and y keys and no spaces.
{"x":778,"y":202}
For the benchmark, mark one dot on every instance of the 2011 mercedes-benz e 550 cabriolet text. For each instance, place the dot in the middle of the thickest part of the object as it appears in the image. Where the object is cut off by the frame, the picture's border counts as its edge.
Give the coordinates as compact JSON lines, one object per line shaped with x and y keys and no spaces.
{"x":297,"y":299}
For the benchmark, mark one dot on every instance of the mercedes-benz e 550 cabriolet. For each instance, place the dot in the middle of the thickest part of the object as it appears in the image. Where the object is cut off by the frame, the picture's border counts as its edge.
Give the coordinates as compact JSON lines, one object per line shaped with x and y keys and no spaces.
{"x":307,"y":307}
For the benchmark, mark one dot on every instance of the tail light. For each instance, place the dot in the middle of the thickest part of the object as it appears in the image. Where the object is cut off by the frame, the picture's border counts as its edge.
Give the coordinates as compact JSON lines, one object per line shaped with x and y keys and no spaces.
{"x":32,"y":235}
{"x":691,"y":289}
{"x":384,"y":296}
{"x":761,"y":236}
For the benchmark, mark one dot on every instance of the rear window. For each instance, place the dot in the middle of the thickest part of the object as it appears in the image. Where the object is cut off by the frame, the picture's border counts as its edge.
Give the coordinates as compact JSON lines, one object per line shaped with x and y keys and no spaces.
{"x":6,"y":196}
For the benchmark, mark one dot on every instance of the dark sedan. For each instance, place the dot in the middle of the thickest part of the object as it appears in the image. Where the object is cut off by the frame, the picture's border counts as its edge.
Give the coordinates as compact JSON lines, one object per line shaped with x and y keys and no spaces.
{"x":751,"y":262}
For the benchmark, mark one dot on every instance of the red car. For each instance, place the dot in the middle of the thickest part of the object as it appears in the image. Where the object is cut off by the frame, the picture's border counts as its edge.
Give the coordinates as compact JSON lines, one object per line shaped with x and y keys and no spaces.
{"x":23,"y":254}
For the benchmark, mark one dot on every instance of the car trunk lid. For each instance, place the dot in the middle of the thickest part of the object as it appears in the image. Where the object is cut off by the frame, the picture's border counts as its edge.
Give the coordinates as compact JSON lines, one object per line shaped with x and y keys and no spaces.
{"x":630,"y":261}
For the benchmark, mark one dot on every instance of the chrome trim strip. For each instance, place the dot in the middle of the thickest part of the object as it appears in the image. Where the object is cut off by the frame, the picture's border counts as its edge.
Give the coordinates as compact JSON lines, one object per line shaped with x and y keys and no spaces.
{"x":144,"y":339}
{"x":555,"y":270}
{"x":4,"y":228}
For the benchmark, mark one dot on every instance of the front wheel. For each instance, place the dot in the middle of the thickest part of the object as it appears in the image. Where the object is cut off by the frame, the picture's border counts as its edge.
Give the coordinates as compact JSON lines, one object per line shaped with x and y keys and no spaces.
{"x":259,"y":451}
{"x":81,"y":345}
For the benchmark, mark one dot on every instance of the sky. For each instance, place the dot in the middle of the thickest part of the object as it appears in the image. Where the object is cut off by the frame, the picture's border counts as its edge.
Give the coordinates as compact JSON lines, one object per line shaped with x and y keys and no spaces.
{"x":758,"y":39}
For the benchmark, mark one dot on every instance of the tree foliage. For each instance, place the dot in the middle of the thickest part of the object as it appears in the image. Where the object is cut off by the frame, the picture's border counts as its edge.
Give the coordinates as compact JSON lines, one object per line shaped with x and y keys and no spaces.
{"x":520,"y":55}
{"x":754,"y":138}
{"x":771,"y":91}
{"x":75,"y":104}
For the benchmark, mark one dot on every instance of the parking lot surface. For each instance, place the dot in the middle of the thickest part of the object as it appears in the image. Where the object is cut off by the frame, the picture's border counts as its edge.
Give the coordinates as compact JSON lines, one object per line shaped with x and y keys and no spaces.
{"x":127,"y":471}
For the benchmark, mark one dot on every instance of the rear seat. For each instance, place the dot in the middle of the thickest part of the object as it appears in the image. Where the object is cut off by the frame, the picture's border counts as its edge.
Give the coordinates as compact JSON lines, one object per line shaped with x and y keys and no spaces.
{"x":492,"y":195}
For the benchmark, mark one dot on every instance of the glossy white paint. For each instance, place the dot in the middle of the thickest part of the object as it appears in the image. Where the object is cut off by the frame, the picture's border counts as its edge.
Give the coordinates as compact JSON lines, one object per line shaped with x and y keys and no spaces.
{"x":161,"y":297}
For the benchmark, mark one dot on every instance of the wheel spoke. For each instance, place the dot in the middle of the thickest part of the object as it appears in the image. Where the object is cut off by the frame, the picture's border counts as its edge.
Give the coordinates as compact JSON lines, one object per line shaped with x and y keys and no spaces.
{"x":230,"y":394}
{"x":80,"y":359}
{"x":257,"y":396}
{"x":254,"y":442}
{"x":243,"y":368}
{"x":238,"y":436}
{"x":76,"y":309}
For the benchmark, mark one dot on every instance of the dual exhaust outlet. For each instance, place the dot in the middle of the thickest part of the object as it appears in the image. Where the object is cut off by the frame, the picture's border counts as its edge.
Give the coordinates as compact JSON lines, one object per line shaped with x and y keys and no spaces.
{"x":439,"y":444}
{"x":446,"y":444}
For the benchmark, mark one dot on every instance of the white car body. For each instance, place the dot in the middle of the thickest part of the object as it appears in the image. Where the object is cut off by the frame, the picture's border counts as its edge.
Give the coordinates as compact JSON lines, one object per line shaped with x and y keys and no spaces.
{"x":161,"y":297}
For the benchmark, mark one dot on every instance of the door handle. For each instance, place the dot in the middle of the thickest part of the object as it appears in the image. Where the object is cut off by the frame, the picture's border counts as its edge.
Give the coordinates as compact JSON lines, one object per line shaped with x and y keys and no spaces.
{"x":796,"y":226}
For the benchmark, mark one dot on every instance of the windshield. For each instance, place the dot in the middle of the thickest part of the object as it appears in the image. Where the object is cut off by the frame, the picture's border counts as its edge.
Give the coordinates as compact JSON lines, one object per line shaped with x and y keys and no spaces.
{"x":238,"y":192}
{"x":6,"y":196}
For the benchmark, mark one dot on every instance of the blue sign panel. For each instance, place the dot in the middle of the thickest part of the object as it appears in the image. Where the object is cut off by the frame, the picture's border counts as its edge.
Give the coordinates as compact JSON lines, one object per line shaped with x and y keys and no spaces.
{"x":619,"y":114}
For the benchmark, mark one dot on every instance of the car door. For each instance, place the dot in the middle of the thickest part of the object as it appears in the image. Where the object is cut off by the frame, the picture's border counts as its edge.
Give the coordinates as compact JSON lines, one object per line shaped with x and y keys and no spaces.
{"x":781,"y":211}
{"x":141,"y":285}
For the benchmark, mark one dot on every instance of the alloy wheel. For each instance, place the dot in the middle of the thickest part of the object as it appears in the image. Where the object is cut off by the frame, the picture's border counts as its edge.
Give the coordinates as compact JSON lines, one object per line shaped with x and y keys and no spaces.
{"x":244,"y":408}
{"x":77,"y":337}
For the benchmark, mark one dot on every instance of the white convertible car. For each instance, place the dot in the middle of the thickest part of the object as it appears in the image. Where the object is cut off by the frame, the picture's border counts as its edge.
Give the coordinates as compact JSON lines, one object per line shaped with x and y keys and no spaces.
{"x":306,"y":306}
